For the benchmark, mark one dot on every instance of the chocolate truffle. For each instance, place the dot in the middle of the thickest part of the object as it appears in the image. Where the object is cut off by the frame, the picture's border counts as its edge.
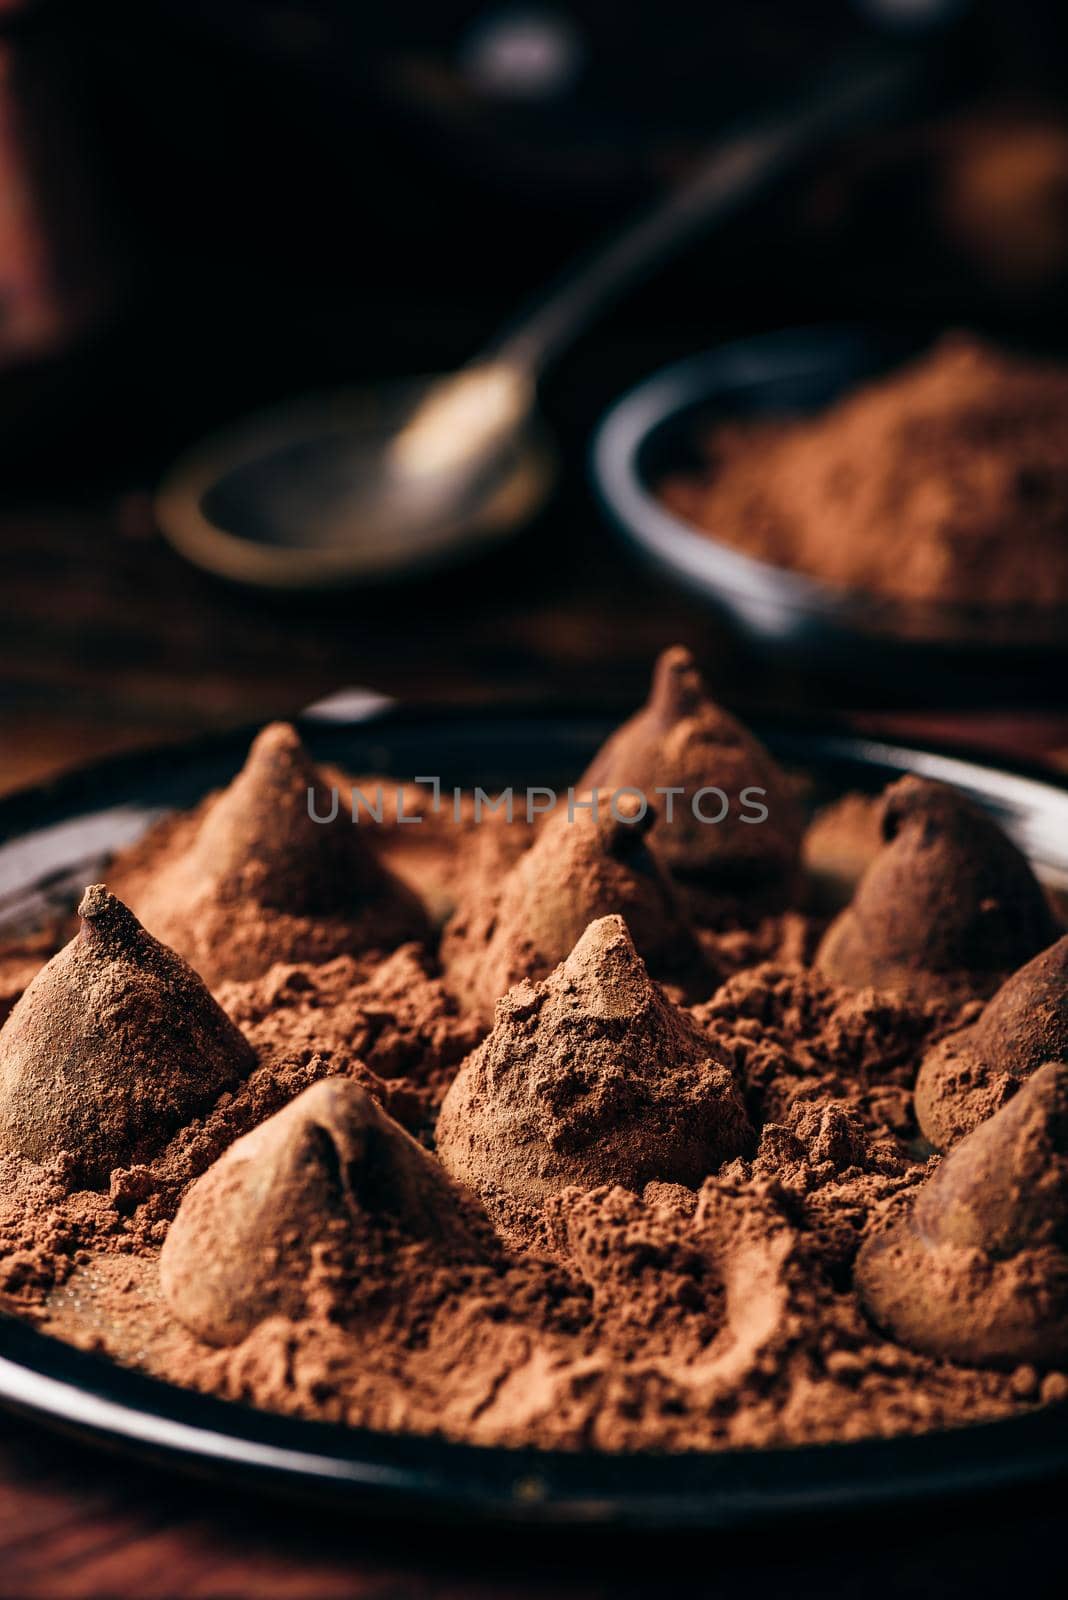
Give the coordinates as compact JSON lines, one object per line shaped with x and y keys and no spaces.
{"x":971,"y":1073}
{"x":257,"y":879}
{"x":582,"y":867}
{"x":978,"y":1273}
{"x":330,"y":1168}
{"x":115,"y":1043}
{"x":948,"y":908}
{"x":681,"y":739}
{"x":590,"y":1077}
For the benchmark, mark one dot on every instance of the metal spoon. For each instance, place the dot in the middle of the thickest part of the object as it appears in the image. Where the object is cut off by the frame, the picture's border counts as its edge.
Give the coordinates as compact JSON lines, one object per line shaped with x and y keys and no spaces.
{"x":372,"y":483}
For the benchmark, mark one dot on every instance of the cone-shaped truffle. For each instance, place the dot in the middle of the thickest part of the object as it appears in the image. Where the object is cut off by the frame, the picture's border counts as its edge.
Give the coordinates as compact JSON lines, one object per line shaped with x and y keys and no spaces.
{"x":256,"y":879}
{"x":682,"y":739}
{"x":948,"y":908}
{"x":115,"y":1043}
{"x":979,"y":1272}
{"x":329,"y":1169}
{"x":580,"y":868}
{"x":590,"y":1077}
{"x":970,"y":1074}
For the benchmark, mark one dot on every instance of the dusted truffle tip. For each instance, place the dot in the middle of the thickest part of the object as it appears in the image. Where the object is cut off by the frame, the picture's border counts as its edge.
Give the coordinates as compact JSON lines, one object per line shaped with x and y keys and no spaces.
{"x":971,"y":1073}
{"x":329,"y":1169}
{"x":591,"y":1077}
{"x":608,"y":974}
{"x":607,"y":936}
{"x":948,"y":908}
{"x":979,"y":1272}
{"x":279,"y":745}
{"x":114,"y":1043}
{"x":96,"y":903}
{"x":277,"y":836}
{"x":682,"y":745}
{"x":934,"y":805}
{"x":677,"y":688}
{"x":106,"y":921}
{"x":581,"y":867}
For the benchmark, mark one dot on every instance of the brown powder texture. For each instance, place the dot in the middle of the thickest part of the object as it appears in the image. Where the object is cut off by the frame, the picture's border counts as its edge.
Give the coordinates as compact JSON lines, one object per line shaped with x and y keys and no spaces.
{"x":946,"y":481}
{"x":44,"y":1232}
{"x":331,"y":1178}
{"x":394,"y":1018}
{"x":699,"y":1325}
{"x":794,"y":1035}
{"x":306,"y":1024}
{"x":789,"y":939}
{"x":612,"y":1223}
{"x":114,"y":1043}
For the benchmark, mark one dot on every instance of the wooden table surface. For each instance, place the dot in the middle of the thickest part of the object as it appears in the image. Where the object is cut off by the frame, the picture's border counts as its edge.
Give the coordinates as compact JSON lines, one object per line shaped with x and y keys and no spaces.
{"x":107,"y":641}
{"x":76,"y":1524}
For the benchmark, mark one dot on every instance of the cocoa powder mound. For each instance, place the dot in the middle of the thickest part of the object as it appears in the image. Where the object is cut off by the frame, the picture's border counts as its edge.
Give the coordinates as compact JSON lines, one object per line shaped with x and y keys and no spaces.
{"x":978,"y":1269}
{"x":329,"y":1176}
{"x":946,"y":481}
{"x":613,"y":1223}
{"x":396,"y":1018}
{"x":793,"y":1034}
{"x":305,"y":1024}
{"x":947,"y":908}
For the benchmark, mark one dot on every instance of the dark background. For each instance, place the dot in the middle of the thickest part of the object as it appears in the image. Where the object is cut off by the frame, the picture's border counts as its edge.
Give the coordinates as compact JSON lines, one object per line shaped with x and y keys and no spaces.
{"x":236,"y":200}
{"x":212,"y":204}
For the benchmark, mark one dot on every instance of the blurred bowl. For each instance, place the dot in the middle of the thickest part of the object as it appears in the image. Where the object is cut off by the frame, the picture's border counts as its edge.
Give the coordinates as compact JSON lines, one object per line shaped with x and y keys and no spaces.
{"x":653,"y":431}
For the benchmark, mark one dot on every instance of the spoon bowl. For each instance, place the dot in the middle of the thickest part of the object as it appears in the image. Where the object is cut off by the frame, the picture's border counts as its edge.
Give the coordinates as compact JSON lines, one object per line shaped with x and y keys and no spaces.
{"x":308,"y":495}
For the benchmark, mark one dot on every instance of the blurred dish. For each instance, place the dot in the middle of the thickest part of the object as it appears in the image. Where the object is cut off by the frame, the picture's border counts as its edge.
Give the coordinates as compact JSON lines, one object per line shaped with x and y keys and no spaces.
{"x":653,"y":431}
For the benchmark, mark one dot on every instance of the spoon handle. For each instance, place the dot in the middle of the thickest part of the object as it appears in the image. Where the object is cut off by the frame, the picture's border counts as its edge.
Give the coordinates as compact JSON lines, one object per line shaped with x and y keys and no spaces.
{"x":742,"y":162}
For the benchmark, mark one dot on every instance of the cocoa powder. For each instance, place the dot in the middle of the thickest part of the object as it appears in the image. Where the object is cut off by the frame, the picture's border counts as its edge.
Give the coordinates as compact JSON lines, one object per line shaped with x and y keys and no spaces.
{"x":597,"y":1218}
{"x":946,"y":481}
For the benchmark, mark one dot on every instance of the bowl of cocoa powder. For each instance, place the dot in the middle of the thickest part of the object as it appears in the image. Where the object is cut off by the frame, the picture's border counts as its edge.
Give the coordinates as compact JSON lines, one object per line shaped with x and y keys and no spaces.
{"x":678,"y":1163}
{"x":849,"y":491}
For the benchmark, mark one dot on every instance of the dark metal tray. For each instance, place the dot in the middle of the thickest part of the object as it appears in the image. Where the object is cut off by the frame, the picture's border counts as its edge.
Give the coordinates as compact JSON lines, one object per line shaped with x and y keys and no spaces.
{"x":55,"y":838}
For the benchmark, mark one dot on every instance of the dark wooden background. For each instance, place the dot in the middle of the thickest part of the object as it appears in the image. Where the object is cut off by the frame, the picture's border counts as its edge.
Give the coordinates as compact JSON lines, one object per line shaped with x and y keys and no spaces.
{"x":213,"y":227}
{"x":76,"y":1525}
